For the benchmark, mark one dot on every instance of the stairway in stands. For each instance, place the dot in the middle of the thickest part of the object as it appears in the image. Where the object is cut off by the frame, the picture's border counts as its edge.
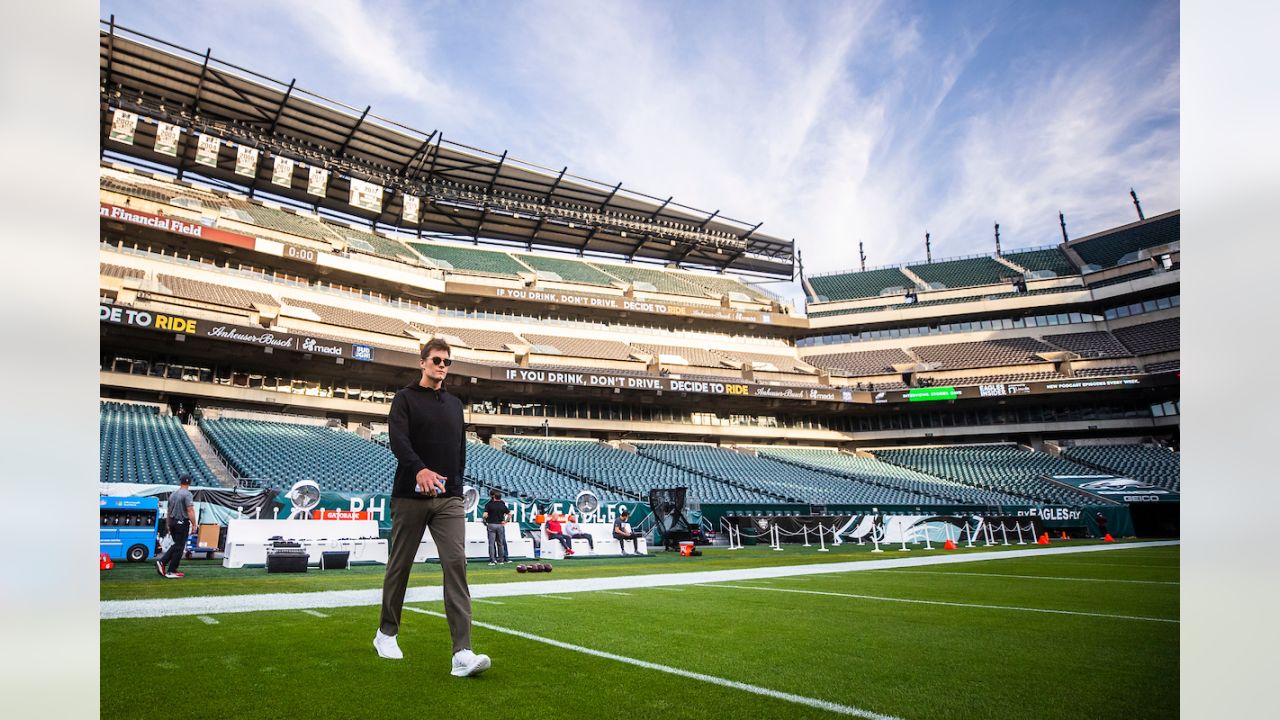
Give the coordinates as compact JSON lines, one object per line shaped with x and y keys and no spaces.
{"x":220,"y":470}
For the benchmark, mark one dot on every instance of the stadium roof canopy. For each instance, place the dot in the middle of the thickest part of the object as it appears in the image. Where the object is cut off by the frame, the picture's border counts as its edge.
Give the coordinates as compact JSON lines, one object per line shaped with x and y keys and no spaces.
{"x":465,"y":192}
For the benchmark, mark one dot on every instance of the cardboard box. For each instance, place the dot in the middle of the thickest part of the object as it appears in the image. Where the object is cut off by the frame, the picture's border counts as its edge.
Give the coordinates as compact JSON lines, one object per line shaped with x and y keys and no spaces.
{"x":208,"y":535}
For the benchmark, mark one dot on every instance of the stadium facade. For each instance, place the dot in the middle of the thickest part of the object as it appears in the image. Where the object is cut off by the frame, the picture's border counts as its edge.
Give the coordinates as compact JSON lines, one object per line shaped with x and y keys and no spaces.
{"x":272,"y":261}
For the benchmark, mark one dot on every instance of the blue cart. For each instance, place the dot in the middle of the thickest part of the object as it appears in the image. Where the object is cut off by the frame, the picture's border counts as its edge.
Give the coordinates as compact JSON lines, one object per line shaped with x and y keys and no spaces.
{"x":127,"y":527}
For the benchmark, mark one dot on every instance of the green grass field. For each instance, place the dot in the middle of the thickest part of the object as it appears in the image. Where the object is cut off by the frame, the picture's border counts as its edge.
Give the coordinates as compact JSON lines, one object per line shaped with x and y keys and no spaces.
{"x":974,"y":645}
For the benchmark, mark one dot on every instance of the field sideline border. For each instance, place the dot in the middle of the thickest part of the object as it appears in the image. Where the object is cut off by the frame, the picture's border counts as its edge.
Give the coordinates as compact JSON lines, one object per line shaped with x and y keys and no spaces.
{"x":188,"y":606}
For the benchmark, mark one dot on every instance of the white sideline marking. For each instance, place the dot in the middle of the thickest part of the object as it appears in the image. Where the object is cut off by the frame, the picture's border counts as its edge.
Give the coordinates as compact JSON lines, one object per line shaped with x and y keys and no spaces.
{"x":206,"y":620}
{"x":1027,"y":577}
{"x":114,"y":609}
{"x":1139,"y":566}
{"x":315,"y":613}
{"x":943,"y":602}
{"x":611,"y":592}
{"x":557,"y":597}
{"x":756,"y":689}
{"x":487,"y":602}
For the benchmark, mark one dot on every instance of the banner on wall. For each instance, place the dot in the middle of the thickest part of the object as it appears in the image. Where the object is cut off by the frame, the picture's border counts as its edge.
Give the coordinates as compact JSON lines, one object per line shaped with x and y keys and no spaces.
{"x":366,"y":195}
{"x":410,"y":210}
{"x":317,"y":181}
{"x":282,"y":172}
{"x":207,"y":147}
{"x":377,"y":506}
{"x":896,"y":529}
{"x":123,"y":126}
{"x":175,"y":225}
{"x":167,"y":139}
{"x":246,"y":161}
{"x":213,"y":505}
{"x":1120,"y":489}
{"x":250,"y":335}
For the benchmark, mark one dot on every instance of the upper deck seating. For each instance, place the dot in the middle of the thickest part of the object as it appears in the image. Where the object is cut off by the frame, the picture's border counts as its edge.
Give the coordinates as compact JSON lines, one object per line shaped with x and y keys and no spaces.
{"x":964,"y":273}
{"x":1108,"y":249}
{"x":853,"y":285}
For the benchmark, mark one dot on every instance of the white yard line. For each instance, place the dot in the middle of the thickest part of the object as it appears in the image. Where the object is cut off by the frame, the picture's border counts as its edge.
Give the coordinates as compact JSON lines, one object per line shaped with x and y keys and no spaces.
{"x":1133,"y":565}
{"x":611,"y":592}
{"x":315,"y":613}
{"x":942,"y":602}
{"x":722,"y":682}
{"x":206,"y":620}
{"x":1025,"y":577}
{"x":487,"y":602}
{"x":556,"y":597}
{"x":113,"y":609}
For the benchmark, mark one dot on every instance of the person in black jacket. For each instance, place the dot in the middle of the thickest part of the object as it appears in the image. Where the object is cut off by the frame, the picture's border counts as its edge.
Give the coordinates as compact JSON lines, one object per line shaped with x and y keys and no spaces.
{"x":495,"y":517}
{"x":429,"y":440}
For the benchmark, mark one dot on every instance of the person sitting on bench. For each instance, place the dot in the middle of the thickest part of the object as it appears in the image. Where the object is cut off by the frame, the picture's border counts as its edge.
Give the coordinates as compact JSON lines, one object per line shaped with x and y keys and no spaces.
{"x":622,"y":532}
{"x":574,"y":530}
{"x":555,"y":531}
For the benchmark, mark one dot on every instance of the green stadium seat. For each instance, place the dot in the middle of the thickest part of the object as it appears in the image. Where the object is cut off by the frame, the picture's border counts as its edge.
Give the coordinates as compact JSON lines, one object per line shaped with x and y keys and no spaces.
{"x":968,"y":272}
{"x":466,"y":260}
{"x":137,"y":445}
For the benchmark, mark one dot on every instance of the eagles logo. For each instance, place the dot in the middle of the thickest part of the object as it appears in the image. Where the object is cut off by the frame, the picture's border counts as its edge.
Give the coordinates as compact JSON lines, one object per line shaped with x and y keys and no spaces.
{"x":762,"y":523}
{"x":1118,"y":484}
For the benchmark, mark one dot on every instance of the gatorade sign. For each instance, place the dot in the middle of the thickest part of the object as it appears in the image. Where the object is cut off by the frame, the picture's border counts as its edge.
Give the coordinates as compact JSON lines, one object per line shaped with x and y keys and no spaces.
{"x":341,"y":515}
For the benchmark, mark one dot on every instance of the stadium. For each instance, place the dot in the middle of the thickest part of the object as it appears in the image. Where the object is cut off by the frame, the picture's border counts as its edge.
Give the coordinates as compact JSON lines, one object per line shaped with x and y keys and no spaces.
{"x":968,"y":465}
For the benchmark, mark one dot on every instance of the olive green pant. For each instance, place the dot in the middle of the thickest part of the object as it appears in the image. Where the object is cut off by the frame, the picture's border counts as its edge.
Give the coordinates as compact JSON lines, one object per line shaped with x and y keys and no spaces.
{"x":447,"y":520}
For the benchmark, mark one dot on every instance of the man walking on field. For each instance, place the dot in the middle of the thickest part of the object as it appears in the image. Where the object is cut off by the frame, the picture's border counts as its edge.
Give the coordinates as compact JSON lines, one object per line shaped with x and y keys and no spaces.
{"x":429,"y":440}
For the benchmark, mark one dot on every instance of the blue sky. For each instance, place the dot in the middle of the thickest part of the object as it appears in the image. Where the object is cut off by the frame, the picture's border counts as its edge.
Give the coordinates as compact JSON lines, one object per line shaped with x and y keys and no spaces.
{"x":830,"y":122}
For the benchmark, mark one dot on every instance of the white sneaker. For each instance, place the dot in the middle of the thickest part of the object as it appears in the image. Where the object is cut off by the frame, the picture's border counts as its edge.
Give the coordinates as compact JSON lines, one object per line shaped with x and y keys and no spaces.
{"x":387,"y":646}
{"x":468,"y":664}
{"x":493,"y":563}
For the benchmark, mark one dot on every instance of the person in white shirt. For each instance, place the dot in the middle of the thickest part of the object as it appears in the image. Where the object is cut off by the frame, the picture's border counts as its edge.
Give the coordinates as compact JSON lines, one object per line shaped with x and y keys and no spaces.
{"x":574,"y":530}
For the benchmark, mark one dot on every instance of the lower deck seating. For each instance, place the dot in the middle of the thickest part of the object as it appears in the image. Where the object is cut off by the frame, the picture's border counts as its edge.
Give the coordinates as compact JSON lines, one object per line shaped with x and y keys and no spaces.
{"x":279,"y":454}
{"x":883,"y":473}
{"x":792,"y":482}
{"x":1156,"y":465}
{"x":137,"y":445}
{"x":488,"y":468}
{"x":627,"y":471}
{"x":1003,"y":468}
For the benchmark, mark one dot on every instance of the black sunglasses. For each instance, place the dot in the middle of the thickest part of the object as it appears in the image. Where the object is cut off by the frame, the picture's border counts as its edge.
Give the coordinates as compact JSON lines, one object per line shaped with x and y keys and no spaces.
{"x":437,"y":360}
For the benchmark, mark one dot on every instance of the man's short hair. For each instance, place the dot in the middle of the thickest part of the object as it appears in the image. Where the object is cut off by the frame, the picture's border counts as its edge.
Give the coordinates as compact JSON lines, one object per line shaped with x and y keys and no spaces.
{"x":184,"y":479}
{"x":435,"y":343}
{"x":625,"y":513}
{"x":495,"y":493}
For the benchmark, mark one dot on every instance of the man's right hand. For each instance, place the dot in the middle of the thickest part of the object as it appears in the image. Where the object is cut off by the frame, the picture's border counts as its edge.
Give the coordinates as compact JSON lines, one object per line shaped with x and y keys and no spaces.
{"x":429,"y":482}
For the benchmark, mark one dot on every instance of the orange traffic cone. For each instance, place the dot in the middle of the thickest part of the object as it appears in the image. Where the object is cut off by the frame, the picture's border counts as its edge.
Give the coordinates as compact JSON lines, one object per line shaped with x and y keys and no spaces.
{"x":104,"y":562}
{"x":1108,"y":538}
{"x":949,"y":545}
{"x":1044,"y":539}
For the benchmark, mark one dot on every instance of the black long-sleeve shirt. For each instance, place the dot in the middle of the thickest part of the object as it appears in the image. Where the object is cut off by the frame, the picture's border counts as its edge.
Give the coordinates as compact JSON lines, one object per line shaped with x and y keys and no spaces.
{"x":427,"y":431}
